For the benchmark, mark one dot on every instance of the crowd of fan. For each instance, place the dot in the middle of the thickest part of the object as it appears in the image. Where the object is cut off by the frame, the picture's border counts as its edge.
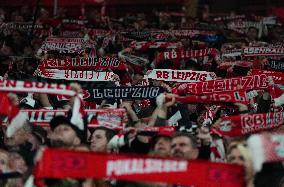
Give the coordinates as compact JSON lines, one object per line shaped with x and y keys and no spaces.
{"x":192,"y":140}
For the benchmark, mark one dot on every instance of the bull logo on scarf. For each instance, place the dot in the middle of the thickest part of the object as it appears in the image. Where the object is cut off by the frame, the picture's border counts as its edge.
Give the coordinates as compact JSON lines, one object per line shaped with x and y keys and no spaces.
{"x":226,"y":126}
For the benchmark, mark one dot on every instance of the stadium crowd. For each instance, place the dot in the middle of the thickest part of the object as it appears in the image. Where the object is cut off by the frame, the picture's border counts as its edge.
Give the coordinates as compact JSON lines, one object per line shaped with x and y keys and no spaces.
{"x":203,"y":90}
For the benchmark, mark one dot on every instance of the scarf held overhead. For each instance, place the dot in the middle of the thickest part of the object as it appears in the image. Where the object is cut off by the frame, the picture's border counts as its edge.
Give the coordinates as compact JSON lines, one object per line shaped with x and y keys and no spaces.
{"x":70,"y":164}
{"x":112,"y":118}
{"x":76,"y":75}
{"x":136,"y":92}
{"x":180,"y":75}
{"x":35,"y":87}
{"x":221,"y":85}
{"x":222,"y":97}
{"x":82,"y":63}
{"x":249,"y":123}
{"x":186,"y":54}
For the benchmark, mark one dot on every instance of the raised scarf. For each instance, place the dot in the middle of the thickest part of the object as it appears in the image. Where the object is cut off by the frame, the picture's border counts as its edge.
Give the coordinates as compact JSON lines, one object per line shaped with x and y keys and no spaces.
{"x":81,"y":63}
{"x":252,"y":82}
{"x":239,"y":125}
{"x":263,"y":51}
{"x":180,"y":75}
{"x":111,"y":118}
{"x":70,"y":164}
{"x":186,"y":54}
{"x":35,"y":87}
{"x":76,"y":75}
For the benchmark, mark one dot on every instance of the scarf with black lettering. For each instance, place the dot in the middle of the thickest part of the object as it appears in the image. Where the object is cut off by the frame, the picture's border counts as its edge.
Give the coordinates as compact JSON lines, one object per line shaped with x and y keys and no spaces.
{"x":180,"y":75}
{"x":239,"y":125}
{"x":75,"y":75}
{"x":232,"y":53}
{"x":70,"y":164}
{"x":263,"y":51}
{"x":252,"y":82}
{"x":267,"y":147}
{"x":81,"y":63}
{"x":65,"y":44}
{"x":186,"y":54}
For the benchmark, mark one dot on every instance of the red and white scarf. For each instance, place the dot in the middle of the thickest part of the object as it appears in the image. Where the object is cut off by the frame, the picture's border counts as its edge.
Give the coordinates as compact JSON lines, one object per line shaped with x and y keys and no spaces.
{"x":180,"y":75}
{"x":82,"y":63}
{"x":267,"y":147}
{"x":229,"y":64}
{"x":65,"y":44}
{"x":240,"y":125}
{"x":35,"y":87}
{"x":278,"y":77}
{"x":70,"y":164}
{"x":222,"y":97}
{"x":76,"y":75}
{"x":145,"y":45}
{"x":111,"y":118}
{"x":252,"y":82}
{"x":230,"y":17}
{"x":186,"y":54}
{"x":232,"y":53}
{"x":263,"y":51}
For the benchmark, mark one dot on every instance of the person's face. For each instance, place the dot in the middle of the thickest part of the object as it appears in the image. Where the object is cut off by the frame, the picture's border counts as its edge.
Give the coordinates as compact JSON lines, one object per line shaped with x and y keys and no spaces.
{"x":181,"y":147}
{"x":163,"y":146}
{"x":17,"y":163}
{"x":18,"y":138}
{"x":4,"y":159}
{"x":66,"y":134}
{"x":252,"y":34}
{"x":99,"y":141}
{"x":235,"y":157}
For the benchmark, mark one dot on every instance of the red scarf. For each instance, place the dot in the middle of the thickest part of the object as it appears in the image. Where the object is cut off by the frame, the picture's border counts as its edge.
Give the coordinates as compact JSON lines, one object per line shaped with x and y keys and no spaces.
{"x":111,"y":118}
{"x":70,"y":164}
{"x":80,"y":75}
{"x":278,"y":77}
{"x":240,"y":125}
{"x":222,"y":97}
{"x":267,"y":147}
{"x":145,"y":45}
{"x":186,"y":54}
{"x":252,"y":82}
{"x":35,"y":87}
{"x":6,"y":106}
{"x":82,"y":63}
